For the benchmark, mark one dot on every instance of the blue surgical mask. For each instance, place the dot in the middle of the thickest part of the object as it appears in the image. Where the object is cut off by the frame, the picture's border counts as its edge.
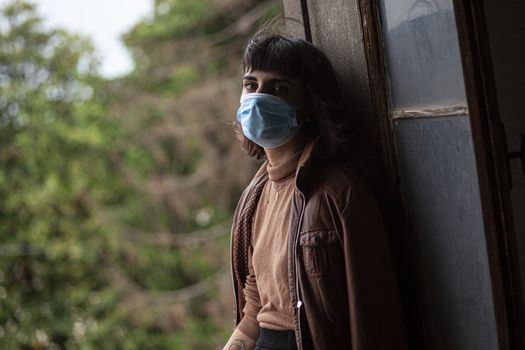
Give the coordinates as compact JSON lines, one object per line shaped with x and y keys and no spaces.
{"x":267,"y":120}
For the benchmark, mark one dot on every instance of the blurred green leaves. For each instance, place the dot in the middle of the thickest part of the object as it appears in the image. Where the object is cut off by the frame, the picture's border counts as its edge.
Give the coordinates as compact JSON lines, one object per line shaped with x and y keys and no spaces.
{"x":115,"y":196}
{"x":171,"y":19}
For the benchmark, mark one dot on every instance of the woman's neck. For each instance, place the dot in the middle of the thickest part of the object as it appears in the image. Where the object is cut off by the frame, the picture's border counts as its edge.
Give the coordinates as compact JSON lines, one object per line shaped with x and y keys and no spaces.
{"x":280,"y":154}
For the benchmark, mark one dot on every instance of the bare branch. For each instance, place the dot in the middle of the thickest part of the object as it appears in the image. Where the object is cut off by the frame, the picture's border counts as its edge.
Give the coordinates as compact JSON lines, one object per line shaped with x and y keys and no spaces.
{"x":241,"y":26}
{"x":167,"y":185}
{"x":127,"y":286}
{"x":198,"y":128}
{"x":181,"y":240}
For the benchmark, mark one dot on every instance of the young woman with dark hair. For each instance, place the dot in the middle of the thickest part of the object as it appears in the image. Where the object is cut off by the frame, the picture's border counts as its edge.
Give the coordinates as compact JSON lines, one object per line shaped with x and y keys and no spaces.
{"x":310,"y":260}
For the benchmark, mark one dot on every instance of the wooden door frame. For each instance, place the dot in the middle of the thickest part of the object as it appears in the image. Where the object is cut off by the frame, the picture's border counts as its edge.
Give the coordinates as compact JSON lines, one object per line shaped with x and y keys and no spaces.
{"x":396,"y":214}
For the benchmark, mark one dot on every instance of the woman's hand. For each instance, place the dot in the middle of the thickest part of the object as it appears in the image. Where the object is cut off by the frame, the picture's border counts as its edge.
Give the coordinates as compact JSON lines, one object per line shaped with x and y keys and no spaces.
{"x":239,"y":341}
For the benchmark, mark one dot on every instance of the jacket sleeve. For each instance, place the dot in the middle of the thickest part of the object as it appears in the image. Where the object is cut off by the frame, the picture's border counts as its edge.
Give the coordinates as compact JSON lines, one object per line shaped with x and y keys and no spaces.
{"x":375,"y":312}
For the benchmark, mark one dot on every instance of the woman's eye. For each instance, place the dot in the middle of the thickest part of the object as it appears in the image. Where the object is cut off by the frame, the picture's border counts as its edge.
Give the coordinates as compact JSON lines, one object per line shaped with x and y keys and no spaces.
{"x":250,"y":86}
{"x":281,"y":89}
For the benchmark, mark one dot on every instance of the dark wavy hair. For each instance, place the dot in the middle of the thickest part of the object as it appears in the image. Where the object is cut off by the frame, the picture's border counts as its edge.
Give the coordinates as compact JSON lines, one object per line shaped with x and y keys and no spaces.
{"x":301,"y":59}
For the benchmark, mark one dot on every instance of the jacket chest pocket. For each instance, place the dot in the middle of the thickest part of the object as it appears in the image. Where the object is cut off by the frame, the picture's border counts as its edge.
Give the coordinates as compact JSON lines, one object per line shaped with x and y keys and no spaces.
{"x":315,"y":248}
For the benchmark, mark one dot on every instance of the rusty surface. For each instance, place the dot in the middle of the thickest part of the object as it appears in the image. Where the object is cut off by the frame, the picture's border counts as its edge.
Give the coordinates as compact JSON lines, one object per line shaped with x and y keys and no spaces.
{"x":452,"y":111}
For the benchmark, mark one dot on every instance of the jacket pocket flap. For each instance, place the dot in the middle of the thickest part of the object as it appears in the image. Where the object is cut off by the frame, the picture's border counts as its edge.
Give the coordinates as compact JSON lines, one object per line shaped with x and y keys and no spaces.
{"x":317,"y":238}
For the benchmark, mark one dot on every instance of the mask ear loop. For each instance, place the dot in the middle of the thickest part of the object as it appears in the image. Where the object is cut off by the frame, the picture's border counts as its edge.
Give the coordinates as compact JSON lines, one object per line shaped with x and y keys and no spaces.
{"x":305,"y":120}
{"x":297,"y":123}
{"x":307,"y":124}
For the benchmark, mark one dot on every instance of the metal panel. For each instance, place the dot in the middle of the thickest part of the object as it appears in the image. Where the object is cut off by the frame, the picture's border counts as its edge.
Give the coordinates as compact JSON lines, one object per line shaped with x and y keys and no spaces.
{"x":422,"y":54}
{"x":439,"y":181}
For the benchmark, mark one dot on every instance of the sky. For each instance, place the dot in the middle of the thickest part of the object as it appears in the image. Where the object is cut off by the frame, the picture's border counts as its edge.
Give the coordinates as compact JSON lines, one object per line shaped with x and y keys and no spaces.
{"x":103,"y":21}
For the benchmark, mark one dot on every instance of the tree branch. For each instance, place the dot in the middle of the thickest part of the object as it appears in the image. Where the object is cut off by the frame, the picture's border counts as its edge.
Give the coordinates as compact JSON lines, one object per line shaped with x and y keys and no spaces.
{"x":128,"y":286}
{"x":180,"y":240}
{"x":241,"y":26}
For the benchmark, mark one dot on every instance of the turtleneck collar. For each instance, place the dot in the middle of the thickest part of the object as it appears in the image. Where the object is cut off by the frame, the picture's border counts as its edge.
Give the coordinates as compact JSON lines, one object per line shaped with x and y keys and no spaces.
{"x":278,"y":172}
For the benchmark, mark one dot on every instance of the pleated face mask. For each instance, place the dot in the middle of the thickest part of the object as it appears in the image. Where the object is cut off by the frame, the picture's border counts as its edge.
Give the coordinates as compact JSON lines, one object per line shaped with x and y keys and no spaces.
{"x":267,"y":120}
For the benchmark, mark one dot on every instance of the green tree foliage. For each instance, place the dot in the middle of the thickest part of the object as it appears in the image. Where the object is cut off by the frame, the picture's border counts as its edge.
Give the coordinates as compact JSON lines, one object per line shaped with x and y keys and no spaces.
{"x":115,"y":195}
{"x":55,"y":143}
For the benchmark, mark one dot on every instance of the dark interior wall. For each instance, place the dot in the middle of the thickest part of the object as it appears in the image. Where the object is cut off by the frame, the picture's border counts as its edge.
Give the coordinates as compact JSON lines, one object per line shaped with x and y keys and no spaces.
{"x":506,"y":28}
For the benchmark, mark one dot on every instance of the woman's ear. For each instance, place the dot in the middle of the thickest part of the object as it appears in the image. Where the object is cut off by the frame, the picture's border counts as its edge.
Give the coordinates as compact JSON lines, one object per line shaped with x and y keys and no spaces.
{"x":304,"y":112}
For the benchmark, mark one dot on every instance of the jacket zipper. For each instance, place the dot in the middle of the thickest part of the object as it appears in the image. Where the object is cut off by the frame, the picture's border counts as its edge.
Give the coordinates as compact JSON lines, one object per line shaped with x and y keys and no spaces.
{"x":296,"y":268}
{"x":235,"y":315}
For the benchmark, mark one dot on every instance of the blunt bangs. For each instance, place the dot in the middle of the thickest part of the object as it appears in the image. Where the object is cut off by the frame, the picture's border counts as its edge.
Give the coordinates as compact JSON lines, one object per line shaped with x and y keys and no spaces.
{"x":276,"y":53}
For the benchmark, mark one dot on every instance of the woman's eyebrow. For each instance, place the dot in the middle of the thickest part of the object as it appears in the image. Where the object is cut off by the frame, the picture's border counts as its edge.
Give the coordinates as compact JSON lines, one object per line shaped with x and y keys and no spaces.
{"x":272,"y":80}
{"x":280,"y":80}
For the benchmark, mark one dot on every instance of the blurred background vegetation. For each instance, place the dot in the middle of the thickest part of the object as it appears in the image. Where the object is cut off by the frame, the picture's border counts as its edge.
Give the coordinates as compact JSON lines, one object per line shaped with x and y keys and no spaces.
{"x":116,"y":195}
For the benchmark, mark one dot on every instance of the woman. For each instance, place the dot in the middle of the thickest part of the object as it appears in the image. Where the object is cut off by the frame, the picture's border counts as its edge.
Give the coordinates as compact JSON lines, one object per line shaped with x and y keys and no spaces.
{"x":309,"y":254}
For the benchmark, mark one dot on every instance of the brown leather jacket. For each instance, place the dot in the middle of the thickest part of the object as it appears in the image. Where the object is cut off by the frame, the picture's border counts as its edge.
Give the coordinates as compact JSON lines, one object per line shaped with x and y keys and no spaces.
{"x":340,"y":273}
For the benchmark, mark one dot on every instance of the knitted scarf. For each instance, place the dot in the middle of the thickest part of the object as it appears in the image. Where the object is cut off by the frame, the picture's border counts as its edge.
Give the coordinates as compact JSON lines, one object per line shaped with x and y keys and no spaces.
{"x":242,"y":235}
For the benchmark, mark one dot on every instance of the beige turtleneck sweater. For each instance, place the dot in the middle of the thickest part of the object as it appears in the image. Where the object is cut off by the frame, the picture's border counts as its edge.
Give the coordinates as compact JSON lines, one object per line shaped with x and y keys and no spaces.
{"x":267,"y":293}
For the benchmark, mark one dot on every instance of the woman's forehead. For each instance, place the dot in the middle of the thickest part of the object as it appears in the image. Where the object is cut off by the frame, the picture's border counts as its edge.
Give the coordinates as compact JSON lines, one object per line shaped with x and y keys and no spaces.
{"x":267,"y":75}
